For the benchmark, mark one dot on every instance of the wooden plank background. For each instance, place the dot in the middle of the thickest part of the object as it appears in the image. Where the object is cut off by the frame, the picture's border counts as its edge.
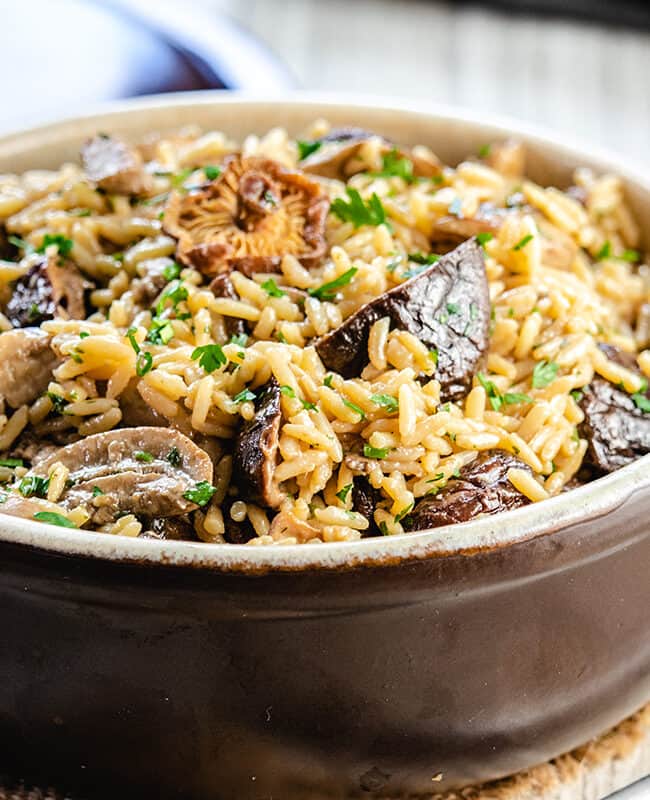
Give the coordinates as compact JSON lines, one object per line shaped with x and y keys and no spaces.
{"x":577,"y":78}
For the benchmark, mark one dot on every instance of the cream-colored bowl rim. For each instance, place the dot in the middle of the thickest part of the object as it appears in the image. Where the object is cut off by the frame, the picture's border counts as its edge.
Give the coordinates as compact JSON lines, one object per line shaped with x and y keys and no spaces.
{"x":580,"y":505}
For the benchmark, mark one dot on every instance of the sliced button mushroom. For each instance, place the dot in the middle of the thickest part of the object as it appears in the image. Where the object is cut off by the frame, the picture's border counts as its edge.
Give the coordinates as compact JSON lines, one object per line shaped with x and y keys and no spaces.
{"x":52,"y":288}
{"x":251,"y":216}
{"x":26,"y":508}
{"x":482,"y":488}
{"x":114,"y":166}
{"x":337,"y":155}
{"x":26,"y":364}
{"x":256,"y":449}
{"x":446,"y":307}
{"x":616,"y":426}
{"x":154,"y":472}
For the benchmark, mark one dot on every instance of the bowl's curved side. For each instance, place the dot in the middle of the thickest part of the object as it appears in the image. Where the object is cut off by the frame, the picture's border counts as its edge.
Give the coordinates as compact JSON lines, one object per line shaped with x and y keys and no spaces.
{"x":452,"y":133}
{"x":322,"y":682}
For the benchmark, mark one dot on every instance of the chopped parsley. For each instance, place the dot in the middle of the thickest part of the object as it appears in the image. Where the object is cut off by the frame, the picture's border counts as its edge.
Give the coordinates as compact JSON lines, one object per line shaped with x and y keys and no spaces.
{"x":433,"y":355}
{"x":33,"y":486}
{"x":641,"y":402}
{"x":387,"y":401}
{"x":343,"y":493}
{"x":403,"y":513}
{"x":484,"y":151}
{"x":84,"y":335}
{"x":308,"y":406}
{"x":544,"y":373}
{"x":175,"y":292}
{"x":287,"y":391}
{"x":97,"y":492}
{"x":577,"y":395}
{"x":354,"y":407}
{"x":605,"y":251}
{"x":327,"y":381}
{"x":210,"y":356}
{"x":328,"y":290}
{"x":161,"y":331}
{"x":420,"y":258}
{"x":384,"y":528}
{"x":174,"y":456}
{"x":305,"y":149}
{"x":523,"y":242}
{"x":11,"y":462}
{"x":172,"y":271}
{"x":58,"y":402}
{"x":143,"y":456}
{"x":201,"y":494}
{"x":453,"y":308}
{"x":211,"y":172}
{"x":357,"y":211}
{"x":63,"y":244}
{"x":244,"y":396}
{"x":396,"y":166}
{"x":239,"y":339}
{"x":272,"y":288}
{"x":34,"y":312}
{"x":375,"y":452}
{"x":632,"y":256}
{"x":143,"y":364}
{"x":53,"y":518}
{"x":281,"y":337}
{"x":484,"y":238}
{"x":498,"y":400}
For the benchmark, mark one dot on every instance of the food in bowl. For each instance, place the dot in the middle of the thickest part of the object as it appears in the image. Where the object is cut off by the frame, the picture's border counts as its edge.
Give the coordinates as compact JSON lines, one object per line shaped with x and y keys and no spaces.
{"x":297,"y":341}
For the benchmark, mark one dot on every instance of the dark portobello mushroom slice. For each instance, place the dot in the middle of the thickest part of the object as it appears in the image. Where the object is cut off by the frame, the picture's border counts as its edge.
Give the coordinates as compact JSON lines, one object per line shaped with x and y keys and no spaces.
{"x":365,"y":499}
{"x":222,"y":286}
{"x":26,"y":364}
{"x":150,"y":472}
{"x":617,"y":430}
{"x":256,"y":448}
{"x":52,"y":288}
{"x":482,"y":488}
{"x":446,"y":306}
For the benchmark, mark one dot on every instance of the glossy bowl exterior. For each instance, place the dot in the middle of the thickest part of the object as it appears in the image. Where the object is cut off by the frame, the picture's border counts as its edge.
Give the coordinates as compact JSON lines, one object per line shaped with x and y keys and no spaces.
{"x":403,"y":664}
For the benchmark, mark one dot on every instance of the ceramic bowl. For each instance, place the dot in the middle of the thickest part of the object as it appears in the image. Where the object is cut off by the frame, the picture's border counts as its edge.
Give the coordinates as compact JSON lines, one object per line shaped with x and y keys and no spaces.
{"x":391,"y":666}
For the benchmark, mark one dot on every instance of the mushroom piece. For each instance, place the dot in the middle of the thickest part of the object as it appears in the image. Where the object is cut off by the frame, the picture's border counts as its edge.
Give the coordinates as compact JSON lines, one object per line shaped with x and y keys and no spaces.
{"x":615,"y":426}
{"x":446,"y":307}
{"x":25,"y":507}
{"x":365,"y":499}
{"x":247,"y":219}
{"x":171,"y":528}
{"x":114,"y":166}
{"x":256,"y":448}
{"x":482,"y":488}
{"x":156,"y":472}
{"x":136,"y":413}
{"x":222,"y":286}
{"x":286,"y":525}
{"x":52,"y":288}
{"x":26,"y":365}
{"x":337,"y":155}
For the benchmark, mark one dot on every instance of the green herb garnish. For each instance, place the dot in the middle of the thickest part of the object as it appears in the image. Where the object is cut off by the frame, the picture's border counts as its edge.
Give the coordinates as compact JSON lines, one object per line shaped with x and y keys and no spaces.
{"x":357,"y":211}
{"x":210,"y":356}
{"x":244,"y":396}
{"x":287,"y":391}
{"x":403,"y":513}
{"x":375,"y":452}
{"x":11,"y":462}
{"x":239,"y":339}
{"x":63,"y":244}
{"x":172,"y":271}
{"x":387,"y":401}
{"x":174,"y":456}
{"x":420,"y":258}
{"x":641,"y":402}
{"x":143,"y":364}
{"x":97,"y":491}
{"x":53,"y":518}
{"x":201,"y":494}
{"x":523,"y":242}
{"x":211,"y":173}
{"x":354,"y":407}
{"x":344,"y":492}
{"x":272,"y":289}
{"x":143,"y":456}
{"x":605,"y":251}
{"x":396,"y":166}
{"x":484,"y":150}
{"x":33,"y":486}
{"x":305,"y":149}
{"x":544,"y":373}
{"x":484,"y":238}
{"x":328,"y":290}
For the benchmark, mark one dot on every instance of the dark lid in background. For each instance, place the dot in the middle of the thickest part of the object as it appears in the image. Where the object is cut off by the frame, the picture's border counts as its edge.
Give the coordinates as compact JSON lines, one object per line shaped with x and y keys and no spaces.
{"x":63,"y":56}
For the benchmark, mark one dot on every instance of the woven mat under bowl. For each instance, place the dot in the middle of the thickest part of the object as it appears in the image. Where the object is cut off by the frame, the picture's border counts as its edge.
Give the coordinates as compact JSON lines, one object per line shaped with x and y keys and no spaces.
{"x":605,"y":765}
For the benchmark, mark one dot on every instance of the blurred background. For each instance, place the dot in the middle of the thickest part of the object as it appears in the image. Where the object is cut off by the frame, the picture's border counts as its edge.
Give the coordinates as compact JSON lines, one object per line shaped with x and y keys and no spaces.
{"x":577,"y":66}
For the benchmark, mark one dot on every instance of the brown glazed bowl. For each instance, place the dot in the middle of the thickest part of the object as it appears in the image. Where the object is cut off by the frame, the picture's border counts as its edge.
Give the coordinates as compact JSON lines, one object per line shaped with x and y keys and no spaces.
{"x":385,"y":667}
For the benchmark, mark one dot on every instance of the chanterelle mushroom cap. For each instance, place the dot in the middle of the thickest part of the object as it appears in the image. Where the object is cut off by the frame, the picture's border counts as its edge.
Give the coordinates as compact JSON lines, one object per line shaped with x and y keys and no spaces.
{"x":255,"y":213}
